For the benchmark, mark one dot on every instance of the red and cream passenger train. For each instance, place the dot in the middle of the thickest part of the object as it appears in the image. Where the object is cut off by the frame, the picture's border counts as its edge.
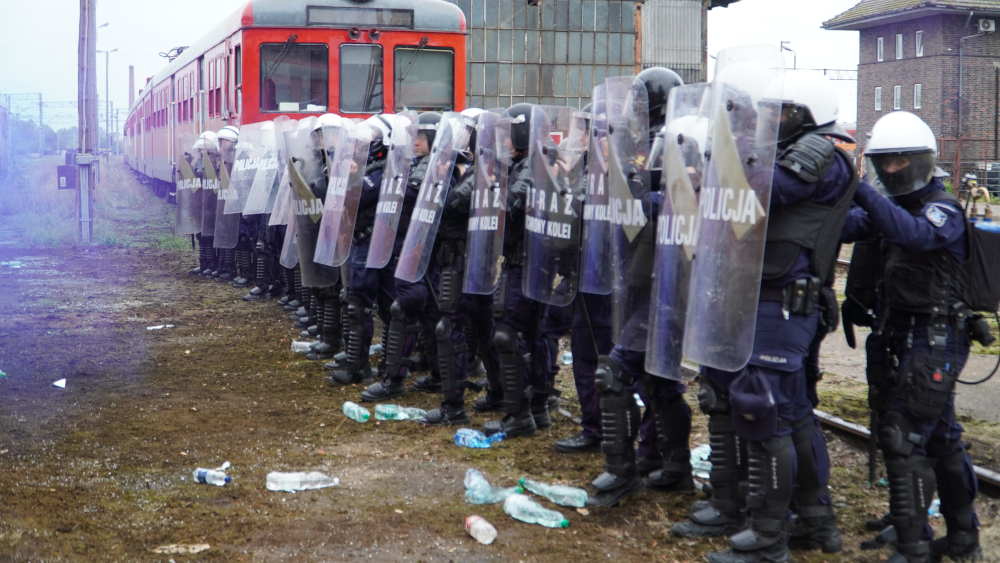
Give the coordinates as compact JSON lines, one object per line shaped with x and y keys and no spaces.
{"x":298,"y":58}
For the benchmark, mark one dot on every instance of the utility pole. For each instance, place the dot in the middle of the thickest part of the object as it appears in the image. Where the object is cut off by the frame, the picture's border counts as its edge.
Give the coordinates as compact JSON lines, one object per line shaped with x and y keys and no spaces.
{"x":87,"y":116}
{"x":107,"y":112}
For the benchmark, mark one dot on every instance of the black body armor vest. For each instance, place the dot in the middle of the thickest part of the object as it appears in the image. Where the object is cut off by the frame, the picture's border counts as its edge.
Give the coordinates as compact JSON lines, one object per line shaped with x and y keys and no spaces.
{"x":925,"y":282}
{"x":809,"y":225}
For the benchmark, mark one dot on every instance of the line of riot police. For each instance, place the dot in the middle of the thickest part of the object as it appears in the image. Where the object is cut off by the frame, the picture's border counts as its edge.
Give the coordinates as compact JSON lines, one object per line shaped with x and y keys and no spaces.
{"x":673,"y":231}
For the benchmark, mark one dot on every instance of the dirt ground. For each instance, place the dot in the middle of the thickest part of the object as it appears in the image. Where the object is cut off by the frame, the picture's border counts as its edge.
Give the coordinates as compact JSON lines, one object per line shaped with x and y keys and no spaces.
{"x":101,"y":470}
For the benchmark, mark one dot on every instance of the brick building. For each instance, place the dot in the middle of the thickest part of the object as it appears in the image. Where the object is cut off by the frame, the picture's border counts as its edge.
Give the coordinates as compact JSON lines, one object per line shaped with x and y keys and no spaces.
{"x":910,"y":52}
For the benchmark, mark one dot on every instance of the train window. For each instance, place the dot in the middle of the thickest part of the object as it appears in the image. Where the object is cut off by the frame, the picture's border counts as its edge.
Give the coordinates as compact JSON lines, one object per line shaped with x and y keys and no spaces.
{"x":361,"y":78}
{"x":238,"y":65}
{"x":294,"y":77}
{"x":424,"y":78}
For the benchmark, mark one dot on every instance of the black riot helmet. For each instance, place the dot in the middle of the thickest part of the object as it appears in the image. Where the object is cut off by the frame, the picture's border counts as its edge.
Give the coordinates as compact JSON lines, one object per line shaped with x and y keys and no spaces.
{"x":659,"y":81}
{"x":427,"y":124}
{"x":520,"y":126}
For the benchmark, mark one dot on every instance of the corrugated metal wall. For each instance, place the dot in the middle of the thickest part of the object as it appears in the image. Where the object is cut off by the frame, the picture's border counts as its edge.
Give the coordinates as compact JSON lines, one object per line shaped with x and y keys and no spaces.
{"x":548,"y":54}
{"x":672,"y":36}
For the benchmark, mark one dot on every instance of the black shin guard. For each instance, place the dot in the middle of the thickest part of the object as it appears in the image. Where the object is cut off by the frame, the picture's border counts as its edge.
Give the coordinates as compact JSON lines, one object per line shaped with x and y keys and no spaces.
{"x":962,"y":541}
{"x":816,"y":525}
{"x":394,"y":360}
{"x":911,"y":488}
{"x":452,"y":389}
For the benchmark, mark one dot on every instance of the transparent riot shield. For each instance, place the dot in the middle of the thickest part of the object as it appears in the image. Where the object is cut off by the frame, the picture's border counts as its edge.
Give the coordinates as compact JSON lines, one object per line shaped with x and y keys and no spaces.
{"x":227,"y":226}
{"x":341,"y":211}
{"x":247,"y":161}
{"x":734,"y":199}
{"x":207,"y":169}
{"x":289,"y":256}
{"x":390,"y":199}
{"x":596,"y":273}
{"x":452,"y":136}
{"x":264,"y":189}
{"x":487,"y":213}
{"x":554,"y":204}
{"x":632,"y":243}
{"x":188,"y":212}
{"x":677,"y":155}
{"x":279,"y":208}
{"x":307,"y":183}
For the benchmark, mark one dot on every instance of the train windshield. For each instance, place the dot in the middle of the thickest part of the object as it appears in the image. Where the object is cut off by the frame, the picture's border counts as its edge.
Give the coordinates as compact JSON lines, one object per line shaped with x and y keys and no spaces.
{"x":424,"y":78}
{"x":361,"y":78}
{"x":294,"y":77}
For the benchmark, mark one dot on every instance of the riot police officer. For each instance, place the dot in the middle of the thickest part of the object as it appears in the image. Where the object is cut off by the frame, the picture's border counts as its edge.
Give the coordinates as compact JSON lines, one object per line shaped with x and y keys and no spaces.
{"x":766,"y":403}
{"x":367,"y":289}
{"x":621,"y":374}
{"x":518,"y":318}
{"x":411,"y":311}
{"x":924,"y":323}
{"x":226,"y":224}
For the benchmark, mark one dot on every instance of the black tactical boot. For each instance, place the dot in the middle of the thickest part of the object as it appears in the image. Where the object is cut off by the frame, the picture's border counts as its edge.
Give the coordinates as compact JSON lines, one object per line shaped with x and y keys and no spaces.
{"x":446,"y":415}
{"x":384,"y":390}
{"x":428,"y":384}
{"x":578,"y":443}
{"x":815,"y":527}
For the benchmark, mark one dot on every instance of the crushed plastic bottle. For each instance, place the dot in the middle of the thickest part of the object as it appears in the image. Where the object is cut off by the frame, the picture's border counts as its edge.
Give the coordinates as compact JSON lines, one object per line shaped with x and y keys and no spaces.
{"x":215,"y":477}
{"x":562,"y":495}
{"x":567,"y":358}
{"x":374,"y":349}
{"x":396,"y":412}
{"x":356,"y":412}
{"x":300,"y":346}
{"x":479,"y":491}
{"x":299,"y":481}
{"x":469,"y":438}
{"x":524,"y":509}
{"x":934,"y":510}
{"x":699,"y":461}
{"x":479,"y":528}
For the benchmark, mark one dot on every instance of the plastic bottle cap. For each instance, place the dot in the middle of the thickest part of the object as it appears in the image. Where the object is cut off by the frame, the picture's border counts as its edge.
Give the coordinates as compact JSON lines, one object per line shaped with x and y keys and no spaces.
{"x":228,"y":478}
{"x":520,"y":489}
{"x":521,"y":481}
{"x":564,"y":523}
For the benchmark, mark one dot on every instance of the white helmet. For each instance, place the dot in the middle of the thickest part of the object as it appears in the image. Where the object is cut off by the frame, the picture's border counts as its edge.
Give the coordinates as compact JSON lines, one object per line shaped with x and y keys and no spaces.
{"x":808,"y":101}
{"x":206,"y":141}
{"x":327,"y":120}
{"x":903,"y":152}
{"x":228,"y":133}
{"x":381,"y":122}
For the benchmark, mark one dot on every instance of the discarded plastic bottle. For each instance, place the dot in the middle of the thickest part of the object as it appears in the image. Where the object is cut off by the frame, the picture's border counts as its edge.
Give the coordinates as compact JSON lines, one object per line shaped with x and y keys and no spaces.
{"x":567,"y":358}
{"x":479,"y":491}
{"x":469,"y":438}
{"x":291,"y":482}
{"x":300,"y":346}
{"x":524,"y":509}
{"x":934,"y":510}
{"x":211,"y":476}
{"x":479,"y":528}
{"x":560,"y":494}
{"x":396,"y":412}
{"x":356,"y":412}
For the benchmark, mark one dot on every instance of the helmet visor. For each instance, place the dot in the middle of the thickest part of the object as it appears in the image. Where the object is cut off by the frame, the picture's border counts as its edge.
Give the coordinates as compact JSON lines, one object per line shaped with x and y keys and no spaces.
{"x":901,"y":174}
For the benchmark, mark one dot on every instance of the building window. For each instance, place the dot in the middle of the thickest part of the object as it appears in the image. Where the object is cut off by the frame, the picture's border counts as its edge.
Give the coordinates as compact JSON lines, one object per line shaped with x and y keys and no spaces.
{"x":878,"y":98}
{"x":918,"y":90}
{"x":899,"y":46}
{"x":920,"y":43}
{"x":880,"y":55}
{"x":897,"y":97}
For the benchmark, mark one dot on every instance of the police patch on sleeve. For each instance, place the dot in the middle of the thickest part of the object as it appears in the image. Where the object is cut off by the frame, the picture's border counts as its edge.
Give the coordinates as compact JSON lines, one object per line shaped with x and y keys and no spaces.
{"x":936,"y":215}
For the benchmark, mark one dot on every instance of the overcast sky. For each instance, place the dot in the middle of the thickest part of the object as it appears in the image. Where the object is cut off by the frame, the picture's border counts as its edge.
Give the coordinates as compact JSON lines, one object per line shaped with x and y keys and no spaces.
{"x":38,"y":42}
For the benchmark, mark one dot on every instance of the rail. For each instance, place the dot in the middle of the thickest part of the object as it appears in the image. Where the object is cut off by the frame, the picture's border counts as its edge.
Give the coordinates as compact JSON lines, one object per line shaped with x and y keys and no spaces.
{"x":984,"y":475}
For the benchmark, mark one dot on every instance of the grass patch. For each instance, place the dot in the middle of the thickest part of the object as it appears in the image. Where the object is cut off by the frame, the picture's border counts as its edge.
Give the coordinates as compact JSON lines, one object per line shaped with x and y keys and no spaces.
{"x":125,"y":212}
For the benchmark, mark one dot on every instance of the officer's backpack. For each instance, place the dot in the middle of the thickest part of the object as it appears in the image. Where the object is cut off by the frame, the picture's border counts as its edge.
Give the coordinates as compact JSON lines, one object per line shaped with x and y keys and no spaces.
{"x":982,"y":265}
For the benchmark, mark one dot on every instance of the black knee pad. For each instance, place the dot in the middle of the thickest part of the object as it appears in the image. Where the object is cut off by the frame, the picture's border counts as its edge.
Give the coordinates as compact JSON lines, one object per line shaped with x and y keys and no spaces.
{"x":396,"y":311}
{"x":505,"y":339}
{"x":609,"y":375}
{"x":896,"y":436}
{"x":709,"y":400}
